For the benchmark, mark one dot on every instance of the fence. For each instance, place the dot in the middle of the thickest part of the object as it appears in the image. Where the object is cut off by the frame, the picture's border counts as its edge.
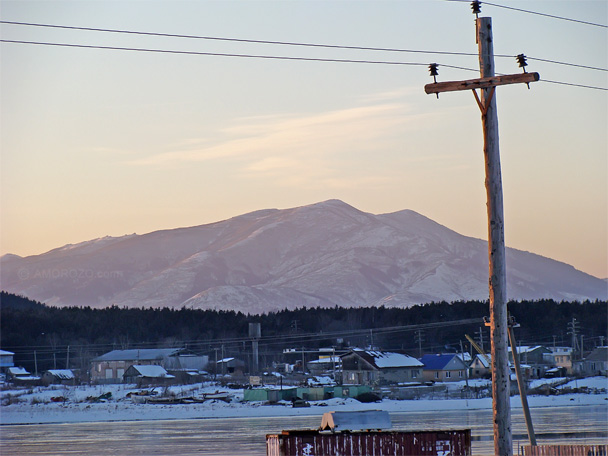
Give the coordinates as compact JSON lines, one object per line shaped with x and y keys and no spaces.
{"x":565,"y":450}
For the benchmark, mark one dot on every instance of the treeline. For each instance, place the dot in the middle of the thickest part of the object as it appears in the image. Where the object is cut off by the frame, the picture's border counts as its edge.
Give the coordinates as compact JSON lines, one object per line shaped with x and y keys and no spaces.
{"x":26,"y":325}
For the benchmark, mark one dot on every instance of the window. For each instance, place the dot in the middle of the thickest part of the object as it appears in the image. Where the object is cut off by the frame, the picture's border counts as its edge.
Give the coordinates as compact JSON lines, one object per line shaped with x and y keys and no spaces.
{"x":448,"y":374}
{"x":120,"y":372}
{"x":415,"y":373}
{"x":436,"y":374}
{"x":109,"y":373}
{"x":460,"y":374}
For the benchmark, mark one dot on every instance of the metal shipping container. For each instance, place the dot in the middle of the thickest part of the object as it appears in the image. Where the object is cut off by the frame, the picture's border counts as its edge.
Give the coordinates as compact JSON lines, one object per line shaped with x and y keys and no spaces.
{"x":397,"y":443}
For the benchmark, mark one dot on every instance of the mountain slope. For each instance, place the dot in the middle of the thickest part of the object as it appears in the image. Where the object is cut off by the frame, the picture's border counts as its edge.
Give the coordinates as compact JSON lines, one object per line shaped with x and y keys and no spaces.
{"x":324,"y":254}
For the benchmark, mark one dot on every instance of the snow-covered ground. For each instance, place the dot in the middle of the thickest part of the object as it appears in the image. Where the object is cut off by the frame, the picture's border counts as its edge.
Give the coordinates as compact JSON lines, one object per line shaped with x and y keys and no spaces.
{"x":35,"y":405}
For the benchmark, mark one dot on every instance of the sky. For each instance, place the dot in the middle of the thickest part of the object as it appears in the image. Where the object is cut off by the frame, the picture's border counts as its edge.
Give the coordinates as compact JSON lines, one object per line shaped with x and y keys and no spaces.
{"x":99,"y":142}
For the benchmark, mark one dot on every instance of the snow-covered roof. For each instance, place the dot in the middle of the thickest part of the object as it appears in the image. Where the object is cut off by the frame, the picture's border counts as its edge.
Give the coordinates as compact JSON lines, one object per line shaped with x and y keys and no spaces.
{"x":63,"y":374}
{"x":138,"y":354}
{"x":484,"y":360}
{"x":329,"y":359}
{"x":384,"y":360}
{"x":5,"y":353}
{"x":17,"y":371}
{"x":152,"y":371}
{"x":527,"y":349}
{"x":225,"y":360}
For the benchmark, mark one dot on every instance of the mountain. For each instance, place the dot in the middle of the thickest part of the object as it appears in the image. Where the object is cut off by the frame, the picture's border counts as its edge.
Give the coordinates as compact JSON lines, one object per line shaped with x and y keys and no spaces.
{"x":324,"y":254}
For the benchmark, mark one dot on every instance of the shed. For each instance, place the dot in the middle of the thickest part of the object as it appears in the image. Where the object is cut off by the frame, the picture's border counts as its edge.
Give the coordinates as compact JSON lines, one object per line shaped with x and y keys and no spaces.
{"x":230,"y":366}
{"x":59,"y":376}
{"x":20,"y":376}
{"x":147,"y":374}
{"x":356,"y":421}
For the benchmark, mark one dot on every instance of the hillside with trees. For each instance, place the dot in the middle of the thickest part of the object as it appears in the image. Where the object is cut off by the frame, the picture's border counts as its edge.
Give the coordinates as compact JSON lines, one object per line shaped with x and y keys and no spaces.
{"x":52,"y":335}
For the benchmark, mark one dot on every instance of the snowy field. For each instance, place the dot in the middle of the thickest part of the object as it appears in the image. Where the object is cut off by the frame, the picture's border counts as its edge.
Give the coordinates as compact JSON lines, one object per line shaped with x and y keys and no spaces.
{"x":30,"y":406}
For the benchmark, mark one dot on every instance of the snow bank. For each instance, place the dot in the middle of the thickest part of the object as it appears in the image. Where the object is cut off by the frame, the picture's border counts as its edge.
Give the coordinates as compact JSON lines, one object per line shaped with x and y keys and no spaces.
{"x":35,"y":406}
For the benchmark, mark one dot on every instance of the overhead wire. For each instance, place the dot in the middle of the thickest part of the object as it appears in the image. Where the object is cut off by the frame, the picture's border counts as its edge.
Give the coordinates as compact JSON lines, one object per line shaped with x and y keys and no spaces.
{"x":218,"y":54}
{"x":241,"y":40}
{"x":553,"y":16}
{"x":260,"y":56}
{"x":289,"y":43}
{"x":521,"y":10}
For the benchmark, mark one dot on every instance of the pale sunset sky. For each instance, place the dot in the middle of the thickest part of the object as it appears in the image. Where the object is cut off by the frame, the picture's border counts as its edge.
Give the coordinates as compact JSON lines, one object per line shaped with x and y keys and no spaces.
{"x":98,"y":142}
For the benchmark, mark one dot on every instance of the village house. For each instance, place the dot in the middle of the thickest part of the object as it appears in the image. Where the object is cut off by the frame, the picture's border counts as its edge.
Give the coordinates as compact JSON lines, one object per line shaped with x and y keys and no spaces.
{"x":325,"y":365}
{"x":534,"y":358}
{"x":111,"y":367}
{"x":481,"y":367}
{"x":59,"y":377}
{"x":6,"y":360}
{"x":371,"y":367}
{"x":560,"y":357}
{"x":444,"y":368}
{"x":596,"y":363}
{"x":148,"y":375}
{"x":231,"y":366}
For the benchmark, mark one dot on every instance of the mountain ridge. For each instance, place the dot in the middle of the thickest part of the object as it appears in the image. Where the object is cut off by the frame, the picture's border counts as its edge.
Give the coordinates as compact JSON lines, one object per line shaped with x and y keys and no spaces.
{"x":324,"y":254}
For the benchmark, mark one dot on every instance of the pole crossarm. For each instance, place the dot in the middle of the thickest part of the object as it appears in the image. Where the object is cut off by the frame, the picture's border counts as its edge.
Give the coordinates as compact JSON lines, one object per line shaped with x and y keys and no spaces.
{"x":481,"y":83}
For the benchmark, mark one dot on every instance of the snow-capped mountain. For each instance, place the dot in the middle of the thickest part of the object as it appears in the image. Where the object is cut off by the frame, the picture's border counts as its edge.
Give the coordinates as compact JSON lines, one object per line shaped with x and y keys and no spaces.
{"x":324,"y":254}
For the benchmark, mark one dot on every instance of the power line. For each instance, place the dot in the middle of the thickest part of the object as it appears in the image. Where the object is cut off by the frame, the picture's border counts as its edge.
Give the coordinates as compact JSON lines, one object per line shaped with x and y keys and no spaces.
{"x":552,"y":16}
{"x":574,"y":85}
{"x":269,"y":57}
{"x":566,"y":63}
{"x":546,"y":15}
{"x":219,"y":54}
{"x":287,"y":43}
{"x":241,"y":40}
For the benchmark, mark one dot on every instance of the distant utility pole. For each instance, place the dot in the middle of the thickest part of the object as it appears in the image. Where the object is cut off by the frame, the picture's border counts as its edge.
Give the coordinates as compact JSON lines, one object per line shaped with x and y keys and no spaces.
{"x":419,"y":338}
{"x":503,"y":440}
{"x":573,"y":328}
{"x":481,"y":338}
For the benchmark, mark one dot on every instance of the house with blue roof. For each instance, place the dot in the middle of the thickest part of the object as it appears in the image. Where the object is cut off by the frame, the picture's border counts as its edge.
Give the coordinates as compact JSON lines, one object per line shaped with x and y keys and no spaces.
{"x":444,"y":368}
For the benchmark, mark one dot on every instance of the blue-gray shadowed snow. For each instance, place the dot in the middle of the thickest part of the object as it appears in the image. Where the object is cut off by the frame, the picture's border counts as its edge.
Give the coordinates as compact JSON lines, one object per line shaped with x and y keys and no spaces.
{"x":324,"y":254}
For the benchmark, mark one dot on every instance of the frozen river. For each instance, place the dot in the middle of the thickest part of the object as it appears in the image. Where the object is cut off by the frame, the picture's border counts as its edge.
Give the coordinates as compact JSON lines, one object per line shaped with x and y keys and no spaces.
{"x":246,"y":436}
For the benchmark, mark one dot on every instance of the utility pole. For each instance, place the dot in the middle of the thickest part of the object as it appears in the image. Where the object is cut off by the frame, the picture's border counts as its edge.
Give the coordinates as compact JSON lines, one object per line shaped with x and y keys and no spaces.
{"x":419,"y":338}
{"x":466,"y":372}
{"x":481,"y":338}
{"x":503,"y":440}
{"x":520,"y":383}
{"x":573,"y":327}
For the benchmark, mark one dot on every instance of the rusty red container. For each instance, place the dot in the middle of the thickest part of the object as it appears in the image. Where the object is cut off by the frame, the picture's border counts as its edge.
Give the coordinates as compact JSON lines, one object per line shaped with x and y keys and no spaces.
{"x":396,"y":443}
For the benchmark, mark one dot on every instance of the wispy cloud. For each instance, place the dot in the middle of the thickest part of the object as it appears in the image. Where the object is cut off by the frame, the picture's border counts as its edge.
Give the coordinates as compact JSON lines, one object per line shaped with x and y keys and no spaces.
{"x":317,"y":149}
{"x":259,"y":139}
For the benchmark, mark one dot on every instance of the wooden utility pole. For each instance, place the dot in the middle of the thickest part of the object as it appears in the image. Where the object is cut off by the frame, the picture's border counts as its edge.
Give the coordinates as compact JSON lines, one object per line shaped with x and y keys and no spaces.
{"x":503,"y":442}
{"x":520,"y":383}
